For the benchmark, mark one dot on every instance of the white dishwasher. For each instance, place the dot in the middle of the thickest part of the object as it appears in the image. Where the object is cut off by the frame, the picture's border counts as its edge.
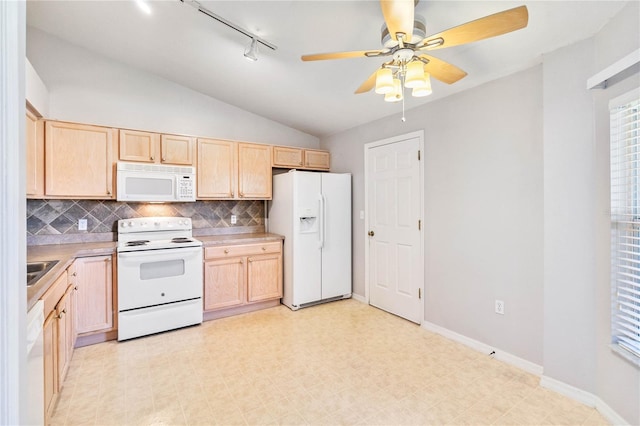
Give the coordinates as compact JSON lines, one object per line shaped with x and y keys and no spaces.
{"x":35,"y":365}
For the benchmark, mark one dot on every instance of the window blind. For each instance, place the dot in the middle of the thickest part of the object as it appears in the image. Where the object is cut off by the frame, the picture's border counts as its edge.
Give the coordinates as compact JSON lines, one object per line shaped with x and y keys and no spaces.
{"x":625,"y":217}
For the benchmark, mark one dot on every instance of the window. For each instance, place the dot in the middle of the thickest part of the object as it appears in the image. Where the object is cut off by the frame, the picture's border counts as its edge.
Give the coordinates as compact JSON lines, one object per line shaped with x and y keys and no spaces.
{"x":625,"y":222}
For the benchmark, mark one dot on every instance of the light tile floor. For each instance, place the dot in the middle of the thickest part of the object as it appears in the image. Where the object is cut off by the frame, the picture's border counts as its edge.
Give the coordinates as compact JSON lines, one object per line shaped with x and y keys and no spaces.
{"x":342,"y":363}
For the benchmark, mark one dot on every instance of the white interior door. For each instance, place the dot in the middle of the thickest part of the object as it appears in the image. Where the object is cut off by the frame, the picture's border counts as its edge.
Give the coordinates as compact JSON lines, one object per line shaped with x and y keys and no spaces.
{"x":395,"y":264}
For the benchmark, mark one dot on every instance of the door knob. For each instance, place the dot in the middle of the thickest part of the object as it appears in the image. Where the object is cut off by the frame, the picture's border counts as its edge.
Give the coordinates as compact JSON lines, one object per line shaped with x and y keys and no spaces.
{"x":371,"y":233}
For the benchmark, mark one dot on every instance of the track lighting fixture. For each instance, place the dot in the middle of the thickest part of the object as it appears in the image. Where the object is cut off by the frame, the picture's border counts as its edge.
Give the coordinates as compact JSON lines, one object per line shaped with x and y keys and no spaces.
{"x":251,"y":52}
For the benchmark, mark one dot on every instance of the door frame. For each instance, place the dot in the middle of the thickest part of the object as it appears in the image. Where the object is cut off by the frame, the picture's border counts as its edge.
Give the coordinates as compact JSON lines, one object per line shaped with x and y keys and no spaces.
{"x":371,"y":145}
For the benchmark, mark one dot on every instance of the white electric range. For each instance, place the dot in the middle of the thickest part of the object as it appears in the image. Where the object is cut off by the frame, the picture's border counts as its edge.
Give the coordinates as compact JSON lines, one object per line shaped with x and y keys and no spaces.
{"x":159,"y":276}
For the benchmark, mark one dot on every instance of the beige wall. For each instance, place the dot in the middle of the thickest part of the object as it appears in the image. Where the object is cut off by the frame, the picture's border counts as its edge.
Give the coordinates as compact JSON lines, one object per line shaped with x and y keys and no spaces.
{"x":483,"y":208}
{"x":516,"y":189}
{"x":89,"y":88}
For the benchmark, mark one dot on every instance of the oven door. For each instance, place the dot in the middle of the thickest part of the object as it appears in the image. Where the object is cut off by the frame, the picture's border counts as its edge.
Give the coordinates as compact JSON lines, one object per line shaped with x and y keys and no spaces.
{"x":155,"y":277}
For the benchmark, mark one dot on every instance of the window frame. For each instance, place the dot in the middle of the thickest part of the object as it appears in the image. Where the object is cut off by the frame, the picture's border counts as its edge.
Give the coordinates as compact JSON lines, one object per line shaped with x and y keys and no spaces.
{"x":625,"y":225}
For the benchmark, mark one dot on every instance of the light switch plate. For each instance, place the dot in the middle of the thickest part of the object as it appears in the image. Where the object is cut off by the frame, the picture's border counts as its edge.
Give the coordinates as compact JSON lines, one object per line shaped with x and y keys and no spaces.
{"x":234,"y":219}
{"x":82,"y":224}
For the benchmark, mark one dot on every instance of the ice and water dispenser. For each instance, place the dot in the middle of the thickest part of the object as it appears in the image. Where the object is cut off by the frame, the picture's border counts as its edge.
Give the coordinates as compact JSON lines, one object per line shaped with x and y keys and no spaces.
{"x":308,"y":220}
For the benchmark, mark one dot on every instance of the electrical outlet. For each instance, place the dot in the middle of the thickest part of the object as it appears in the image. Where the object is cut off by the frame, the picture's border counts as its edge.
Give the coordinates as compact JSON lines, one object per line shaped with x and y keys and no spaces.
{"x":234,"y":219}
{"x":82,"y":224}
{"x":499,"y":307}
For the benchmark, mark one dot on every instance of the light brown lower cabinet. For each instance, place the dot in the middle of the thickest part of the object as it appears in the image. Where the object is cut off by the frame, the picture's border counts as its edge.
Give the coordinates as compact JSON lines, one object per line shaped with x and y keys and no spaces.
{"x":96,"y":305}
{"x":65,"y":315}
{"x":79,"y":304}
{"x":58,"y":339}
{"x":50,"y":341}
{"x":243,"y":277}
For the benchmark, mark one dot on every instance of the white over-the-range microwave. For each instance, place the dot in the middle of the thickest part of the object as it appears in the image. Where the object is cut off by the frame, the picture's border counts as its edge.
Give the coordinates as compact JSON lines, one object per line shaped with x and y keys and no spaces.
{"x":155,"y":182}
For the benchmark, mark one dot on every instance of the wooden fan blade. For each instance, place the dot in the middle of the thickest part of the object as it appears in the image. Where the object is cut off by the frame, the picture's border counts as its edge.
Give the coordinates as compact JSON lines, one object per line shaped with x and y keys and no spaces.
{"x":489,"y":26}
{"x":344,"y":55}
{"x":368,"y":84}
{"x":443,"y":71}
{"x":398,"y":14}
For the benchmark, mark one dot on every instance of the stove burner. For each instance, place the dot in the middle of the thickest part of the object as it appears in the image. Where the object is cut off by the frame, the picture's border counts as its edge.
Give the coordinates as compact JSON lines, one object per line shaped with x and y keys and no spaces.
{"x":137,"y":243}
{"x":181,"y":240}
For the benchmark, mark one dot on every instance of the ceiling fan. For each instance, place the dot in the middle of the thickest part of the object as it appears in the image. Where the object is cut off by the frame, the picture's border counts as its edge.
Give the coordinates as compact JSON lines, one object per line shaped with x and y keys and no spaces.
{"x":404,"y":39}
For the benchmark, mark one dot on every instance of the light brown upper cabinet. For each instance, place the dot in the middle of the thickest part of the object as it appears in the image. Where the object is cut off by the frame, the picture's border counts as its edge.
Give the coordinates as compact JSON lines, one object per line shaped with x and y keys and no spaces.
{"x":298,"y":158}
{"x":217,"y":169}
{"x":176,"y":150}
{"x":315,"y":159}
{"x":254,"y":171}
{"x":284,"y":156}
{"x":34,"y":137}
{"x":148,"y":147}
{"x":138,"y":146}
{"x":79,"y":160}
{"x":232,"y":170}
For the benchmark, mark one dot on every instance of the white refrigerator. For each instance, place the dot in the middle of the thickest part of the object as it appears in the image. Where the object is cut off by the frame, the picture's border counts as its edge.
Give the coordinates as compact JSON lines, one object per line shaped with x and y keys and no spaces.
{"x":313,"y":212}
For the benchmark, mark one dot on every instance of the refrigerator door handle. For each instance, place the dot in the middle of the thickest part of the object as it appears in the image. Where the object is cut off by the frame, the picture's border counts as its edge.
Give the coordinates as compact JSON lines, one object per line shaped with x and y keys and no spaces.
{"x":321,"y":213}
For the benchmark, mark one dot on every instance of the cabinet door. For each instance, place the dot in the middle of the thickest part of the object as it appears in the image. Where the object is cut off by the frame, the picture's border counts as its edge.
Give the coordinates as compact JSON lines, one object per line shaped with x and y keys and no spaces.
{"x":224,"y":283}
{"x":50,"y":340}
{"x":264,"y":277}
{"x":65,"y":331}
{"x":138,"y":146}
{"x":317,"y":159}
{"x":216,"y":169}
{"x":287,"y":157}
{"x":254,"y":171}
{"x":94,"y":297}
{"x":79,"y":161}
{"x":176,"y":150}
{"x":34,"y":137}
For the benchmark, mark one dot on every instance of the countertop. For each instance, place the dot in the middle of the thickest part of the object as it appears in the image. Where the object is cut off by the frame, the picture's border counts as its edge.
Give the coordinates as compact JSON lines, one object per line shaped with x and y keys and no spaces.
{"x":218,"y":240}
{"x":66,"y":253}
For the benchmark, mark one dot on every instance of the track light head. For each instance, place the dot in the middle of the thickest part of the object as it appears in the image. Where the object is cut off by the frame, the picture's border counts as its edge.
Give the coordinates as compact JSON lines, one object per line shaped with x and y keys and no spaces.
{"x":251,"y":52}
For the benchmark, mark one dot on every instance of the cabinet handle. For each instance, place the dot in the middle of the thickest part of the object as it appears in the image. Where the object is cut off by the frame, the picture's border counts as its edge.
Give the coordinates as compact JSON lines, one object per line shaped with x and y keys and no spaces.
{"x":75,"y":288}
{"x":64,"y":311}
{"x":163,"y":159}
{"x":226,"y":251}
{"x":108,"y":192}
{"x":241,"y":194}
{"x":152,"y":159}
{"x":108,"y":260}
{"x":74,"y":274}
{"x":241,"y":261}
{"x":264,"y":248}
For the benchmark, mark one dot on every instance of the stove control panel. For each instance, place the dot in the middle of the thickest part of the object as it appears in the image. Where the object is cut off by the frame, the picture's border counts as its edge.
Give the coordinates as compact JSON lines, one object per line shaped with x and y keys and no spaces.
{"x":141,"y":224}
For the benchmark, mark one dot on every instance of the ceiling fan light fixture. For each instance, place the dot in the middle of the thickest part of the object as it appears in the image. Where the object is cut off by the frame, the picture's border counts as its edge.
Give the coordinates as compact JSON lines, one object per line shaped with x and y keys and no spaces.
{"x":396,"y":94}
{"x":384,"y":81}
{"x":424,"y":89}
{"x":415,"y":74}
{"x":251,"y":52}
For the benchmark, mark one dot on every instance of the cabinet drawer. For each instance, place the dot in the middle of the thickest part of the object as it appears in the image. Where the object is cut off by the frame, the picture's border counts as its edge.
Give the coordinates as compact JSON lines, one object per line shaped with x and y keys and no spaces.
{"x":241,"y":250}
{"x":55,"y":293}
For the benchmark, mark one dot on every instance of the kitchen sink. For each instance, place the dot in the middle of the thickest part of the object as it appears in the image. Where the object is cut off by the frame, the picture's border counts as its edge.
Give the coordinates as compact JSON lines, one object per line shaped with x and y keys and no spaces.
{"x":35,"y":270}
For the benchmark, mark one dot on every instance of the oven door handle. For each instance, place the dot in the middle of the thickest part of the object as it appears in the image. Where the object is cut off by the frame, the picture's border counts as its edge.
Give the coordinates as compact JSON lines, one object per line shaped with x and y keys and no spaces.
{"x":173,"y":253}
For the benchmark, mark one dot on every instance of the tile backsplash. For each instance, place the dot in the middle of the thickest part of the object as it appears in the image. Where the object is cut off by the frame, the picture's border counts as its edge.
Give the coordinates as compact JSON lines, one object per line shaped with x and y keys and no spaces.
{"x":56,"y":221}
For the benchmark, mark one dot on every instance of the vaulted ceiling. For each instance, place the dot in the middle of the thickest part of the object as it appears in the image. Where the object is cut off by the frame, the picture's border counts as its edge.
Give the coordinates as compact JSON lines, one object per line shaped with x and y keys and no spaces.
{"x":178,"y":43}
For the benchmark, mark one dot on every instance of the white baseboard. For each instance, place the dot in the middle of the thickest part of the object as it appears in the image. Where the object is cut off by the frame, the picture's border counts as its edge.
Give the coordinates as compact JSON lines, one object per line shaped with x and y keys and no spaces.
{"x":562,"y":388}
{"x":358,"y":298}
{"x":484,"y":348}
{"x":584,"y":397}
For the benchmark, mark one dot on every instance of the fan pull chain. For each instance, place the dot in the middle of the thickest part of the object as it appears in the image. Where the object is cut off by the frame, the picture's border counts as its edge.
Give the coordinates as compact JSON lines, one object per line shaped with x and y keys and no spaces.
{"x":403,"y":79}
